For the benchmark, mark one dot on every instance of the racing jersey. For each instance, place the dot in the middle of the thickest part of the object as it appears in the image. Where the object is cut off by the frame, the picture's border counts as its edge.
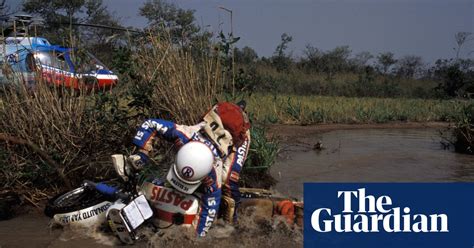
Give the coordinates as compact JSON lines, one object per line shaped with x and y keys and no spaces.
{"x":225,"y":170}
{"x":232,"y":167}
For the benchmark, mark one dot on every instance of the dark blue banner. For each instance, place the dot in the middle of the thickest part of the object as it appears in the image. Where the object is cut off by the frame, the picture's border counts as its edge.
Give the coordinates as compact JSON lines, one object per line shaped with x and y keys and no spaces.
{"x":389,"y":215}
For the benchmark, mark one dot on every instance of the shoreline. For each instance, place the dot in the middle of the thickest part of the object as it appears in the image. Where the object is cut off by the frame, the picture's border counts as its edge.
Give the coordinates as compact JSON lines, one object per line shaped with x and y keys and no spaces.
{"x":285,"y":131}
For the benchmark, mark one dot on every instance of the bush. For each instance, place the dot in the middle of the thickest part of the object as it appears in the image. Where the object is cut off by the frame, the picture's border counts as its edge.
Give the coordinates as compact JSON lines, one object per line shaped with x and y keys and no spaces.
{"x":455,"y":77}
{"x":262,"y":154}
{"x":464,"y":131}
{"x":76,"y":131}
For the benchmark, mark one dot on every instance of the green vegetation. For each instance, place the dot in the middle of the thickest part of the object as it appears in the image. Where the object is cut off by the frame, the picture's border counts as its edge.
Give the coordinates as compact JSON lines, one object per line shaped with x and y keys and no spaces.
{"x":464,"y":130}
{"x":261,"y":157}
{"x":304,"y":110}
{"x":263,"y":78}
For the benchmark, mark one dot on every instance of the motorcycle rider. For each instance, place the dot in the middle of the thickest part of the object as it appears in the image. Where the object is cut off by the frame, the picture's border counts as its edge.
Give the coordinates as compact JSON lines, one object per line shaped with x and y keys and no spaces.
{"x":225,"y":131}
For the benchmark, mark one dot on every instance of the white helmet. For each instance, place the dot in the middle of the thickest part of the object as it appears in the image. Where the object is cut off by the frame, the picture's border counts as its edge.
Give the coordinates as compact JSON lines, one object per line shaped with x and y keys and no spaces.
{"x":194,"y":161}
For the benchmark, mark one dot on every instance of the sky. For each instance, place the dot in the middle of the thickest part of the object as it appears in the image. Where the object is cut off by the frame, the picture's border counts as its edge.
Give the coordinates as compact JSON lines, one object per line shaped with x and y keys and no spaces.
{"x":424,"y":28}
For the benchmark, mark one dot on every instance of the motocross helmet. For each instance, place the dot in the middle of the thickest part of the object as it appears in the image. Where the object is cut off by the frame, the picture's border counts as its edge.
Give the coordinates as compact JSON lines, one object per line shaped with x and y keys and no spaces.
{"x":194,"y":161}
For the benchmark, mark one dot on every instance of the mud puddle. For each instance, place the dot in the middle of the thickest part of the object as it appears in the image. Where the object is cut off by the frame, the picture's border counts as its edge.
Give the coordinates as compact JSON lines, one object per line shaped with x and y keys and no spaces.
{"x":369,"y":155}
{"x":33,"y":230}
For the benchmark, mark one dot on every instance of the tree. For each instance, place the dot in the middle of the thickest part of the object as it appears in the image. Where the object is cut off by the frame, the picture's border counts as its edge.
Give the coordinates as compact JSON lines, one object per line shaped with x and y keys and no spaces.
{"x":361,"y":59}
{"x":101,"y":42}
{"x":59,"y":15}
{"x":4,"y":9}
{"x":455,"y":76}
{"x":409,"y":66}
{"x":280,"y":60}
{"x":246,"y":55}
{"x":385,"y":61}
{"x":312,"y":57}
{"x":163,"y":15}
{"x":461,"y":38}
{"x":281,"y":48}
{"x":336,"y":60}
{"x":96,"y":13}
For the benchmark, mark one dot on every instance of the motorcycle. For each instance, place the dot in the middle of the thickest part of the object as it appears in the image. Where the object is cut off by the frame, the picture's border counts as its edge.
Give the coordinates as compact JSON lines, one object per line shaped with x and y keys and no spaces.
{"x":125,"y":206}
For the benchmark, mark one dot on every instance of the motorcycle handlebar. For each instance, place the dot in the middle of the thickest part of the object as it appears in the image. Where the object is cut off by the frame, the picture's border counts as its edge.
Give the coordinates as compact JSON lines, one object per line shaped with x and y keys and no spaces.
{"x":106,"y":189}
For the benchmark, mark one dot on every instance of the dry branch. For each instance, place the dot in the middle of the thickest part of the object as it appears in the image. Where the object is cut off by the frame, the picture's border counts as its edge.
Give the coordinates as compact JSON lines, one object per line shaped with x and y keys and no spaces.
{"x":37,"y":150}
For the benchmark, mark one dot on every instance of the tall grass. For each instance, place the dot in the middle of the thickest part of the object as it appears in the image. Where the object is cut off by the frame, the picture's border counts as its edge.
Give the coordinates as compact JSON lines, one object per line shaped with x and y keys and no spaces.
{"x":262,"y":155}
{"x":291,"y":109}
{"x":463,"y":131}
{"x":181,"y":86}
{"x":75,"y":130}
{"x":53,"y":137}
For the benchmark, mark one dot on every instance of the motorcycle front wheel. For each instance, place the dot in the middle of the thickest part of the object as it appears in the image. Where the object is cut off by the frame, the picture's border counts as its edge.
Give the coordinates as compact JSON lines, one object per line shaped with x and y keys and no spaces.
{"x":74,"y":200}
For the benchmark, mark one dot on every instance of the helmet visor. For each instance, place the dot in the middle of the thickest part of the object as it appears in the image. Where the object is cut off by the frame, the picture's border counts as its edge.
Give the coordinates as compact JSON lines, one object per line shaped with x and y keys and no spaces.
{"x":181,"y":185}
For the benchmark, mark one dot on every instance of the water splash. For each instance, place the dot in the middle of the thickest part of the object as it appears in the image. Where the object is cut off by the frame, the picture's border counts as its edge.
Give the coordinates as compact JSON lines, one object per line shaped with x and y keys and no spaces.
{"x":252,"y":230}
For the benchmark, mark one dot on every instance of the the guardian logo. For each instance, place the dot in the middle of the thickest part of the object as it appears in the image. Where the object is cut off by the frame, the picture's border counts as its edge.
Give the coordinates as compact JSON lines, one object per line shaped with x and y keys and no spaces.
{"x":374,"y":215}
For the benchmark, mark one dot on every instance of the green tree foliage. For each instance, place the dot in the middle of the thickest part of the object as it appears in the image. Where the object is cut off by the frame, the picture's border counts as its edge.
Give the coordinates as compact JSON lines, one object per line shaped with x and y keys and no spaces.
{"x":329,"y":62}
{"x":461,"y":38}
{"x":280,"y":59}
{"x":4,"y":9}
{"x":97,"y":13}
{"x":59,"y":16}
{"x":336,"y":60}
{"x":312,"y":58}
{"x":455,"y":76}
{"x":361,"y":60}
{"x":409,"y":66}
{"x":168,"y":16}
{"x":385,"y":61}
{"x":246,"y":55}
{"x":101,"y":42}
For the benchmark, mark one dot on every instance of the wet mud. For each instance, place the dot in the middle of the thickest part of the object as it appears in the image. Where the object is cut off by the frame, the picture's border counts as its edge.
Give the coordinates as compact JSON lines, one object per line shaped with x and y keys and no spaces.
{"x":34,"y":230}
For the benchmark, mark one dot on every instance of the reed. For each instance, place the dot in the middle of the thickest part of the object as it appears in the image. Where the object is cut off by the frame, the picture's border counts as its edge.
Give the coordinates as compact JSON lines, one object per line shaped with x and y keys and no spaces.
{"x":182,"y":87}
{"x":55,"y":136}
{"x":463,"y":131}
{"x":303,"y":110}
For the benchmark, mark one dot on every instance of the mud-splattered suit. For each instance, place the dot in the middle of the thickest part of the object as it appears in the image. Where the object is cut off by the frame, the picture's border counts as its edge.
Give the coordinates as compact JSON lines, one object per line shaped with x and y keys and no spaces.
{"x":222,"y":180}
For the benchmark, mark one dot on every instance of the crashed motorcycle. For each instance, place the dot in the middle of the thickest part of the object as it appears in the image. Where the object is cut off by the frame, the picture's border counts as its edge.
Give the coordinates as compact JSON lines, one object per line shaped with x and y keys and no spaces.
{"x":125,"y":205}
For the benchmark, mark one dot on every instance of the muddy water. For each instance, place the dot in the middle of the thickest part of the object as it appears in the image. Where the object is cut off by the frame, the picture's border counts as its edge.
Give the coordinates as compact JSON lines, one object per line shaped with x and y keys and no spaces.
{"x":33,"y":230}
{"x":379,"y":155}
{"x":360,"y":155}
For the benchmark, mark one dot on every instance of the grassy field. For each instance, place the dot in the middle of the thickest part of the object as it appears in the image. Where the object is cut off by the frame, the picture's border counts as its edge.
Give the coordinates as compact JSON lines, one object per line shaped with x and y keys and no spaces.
{"x":288,"y":109}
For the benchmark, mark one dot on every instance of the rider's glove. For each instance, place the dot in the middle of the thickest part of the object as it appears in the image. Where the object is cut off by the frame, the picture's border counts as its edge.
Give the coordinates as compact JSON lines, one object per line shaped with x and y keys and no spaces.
{"x":138,"y":161}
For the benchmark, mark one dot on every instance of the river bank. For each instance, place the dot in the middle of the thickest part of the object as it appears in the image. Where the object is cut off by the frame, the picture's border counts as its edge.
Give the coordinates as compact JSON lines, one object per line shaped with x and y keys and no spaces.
{"x":307,"y":110}
{"x":290,"y":132}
